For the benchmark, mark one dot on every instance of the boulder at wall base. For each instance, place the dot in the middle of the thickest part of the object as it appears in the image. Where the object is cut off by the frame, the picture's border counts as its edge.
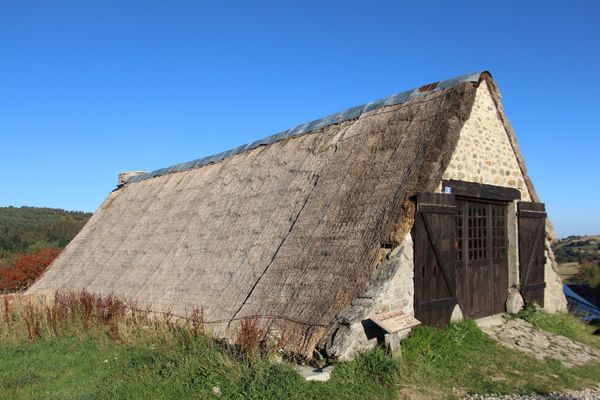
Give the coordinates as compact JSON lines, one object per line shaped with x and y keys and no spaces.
{"x":514,"y":302}
{"x":457,"y":314}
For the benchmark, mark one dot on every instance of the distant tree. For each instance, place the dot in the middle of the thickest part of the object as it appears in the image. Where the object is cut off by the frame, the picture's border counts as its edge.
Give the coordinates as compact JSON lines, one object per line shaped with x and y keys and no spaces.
{"x":26,"y":269}
{"x":28,"y":229}
{"x":17,"y":243}
{"x":589,"y":274}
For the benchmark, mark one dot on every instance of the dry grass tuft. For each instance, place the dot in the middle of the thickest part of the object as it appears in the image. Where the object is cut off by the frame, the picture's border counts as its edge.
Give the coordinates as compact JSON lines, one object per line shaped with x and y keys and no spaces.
{"x":6,"y":314}
{"x":249,"y":336}
{"x":32,"y":318}
{"x":196,"y":317}
{"x":87,"y":314}
{"x":71,"y":312}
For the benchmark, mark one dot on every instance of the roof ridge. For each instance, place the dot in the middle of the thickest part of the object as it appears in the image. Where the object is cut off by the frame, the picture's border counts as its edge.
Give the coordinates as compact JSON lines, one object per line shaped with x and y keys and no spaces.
{"x":303,"y":129}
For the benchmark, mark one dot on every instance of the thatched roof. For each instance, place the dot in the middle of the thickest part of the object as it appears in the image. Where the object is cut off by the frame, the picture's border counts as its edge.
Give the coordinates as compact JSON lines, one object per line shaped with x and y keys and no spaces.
{"x":289,"y":228}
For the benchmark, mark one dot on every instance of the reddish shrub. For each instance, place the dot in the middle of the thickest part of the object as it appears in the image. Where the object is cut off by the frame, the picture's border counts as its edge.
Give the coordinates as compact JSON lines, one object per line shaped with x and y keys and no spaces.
{"x":26,"y":269}
{"x":249,"y":336}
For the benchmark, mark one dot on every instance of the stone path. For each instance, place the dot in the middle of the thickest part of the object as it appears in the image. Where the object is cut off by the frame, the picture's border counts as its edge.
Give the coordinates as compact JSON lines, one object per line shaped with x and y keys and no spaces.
{"x":588,"y":394}
{"x":524,"y":337}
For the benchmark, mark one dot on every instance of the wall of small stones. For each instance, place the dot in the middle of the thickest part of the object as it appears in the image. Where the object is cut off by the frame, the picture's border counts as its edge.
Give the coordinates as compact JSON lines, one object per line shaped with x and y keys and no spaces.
{"x":554,"y":297}
{"x":483,"y":153}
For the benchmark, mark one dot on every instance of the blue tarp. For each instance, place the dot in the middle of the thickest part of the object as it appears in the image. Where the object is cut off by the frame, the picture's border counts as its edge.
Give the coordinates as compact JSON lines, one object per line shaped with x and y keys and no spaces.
{"x":309,"y":127}
{"x":580,"y":306}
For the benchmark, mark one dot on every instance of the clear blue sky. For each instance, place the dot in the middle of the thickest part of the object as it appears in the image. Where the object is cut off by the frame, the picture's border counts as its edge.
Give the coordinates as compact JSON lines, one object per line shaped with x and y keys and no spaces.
{"x":92,"y":88}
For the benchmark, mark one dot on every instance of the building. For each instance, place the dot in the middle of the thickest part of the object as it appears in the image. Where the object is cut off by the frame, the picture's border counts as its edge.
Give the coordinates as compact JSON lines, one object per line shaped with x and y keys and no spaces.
{"x":419,"y":202}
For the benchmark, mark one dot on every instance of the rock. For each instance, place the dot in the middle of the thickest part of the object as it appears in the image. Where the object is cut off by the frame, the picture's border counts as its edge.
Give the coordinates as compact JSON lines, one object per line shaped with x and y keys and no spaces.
{"x":524,"y":337}
{"x":356,"y":312}
{"x":374,"y":290}
{"x":514,"y":302}
{"x":540,"y":341}
{"x":315,"y":374}
{"x":514,"y":323}
{"x":522,"y":342}
{"x":495,"y":322}
{"x":318,"y":360}
{"x":457,"y":314}
{"x":505,"y":336}
{"x":216,"y":391}
{"x":582,"y":358}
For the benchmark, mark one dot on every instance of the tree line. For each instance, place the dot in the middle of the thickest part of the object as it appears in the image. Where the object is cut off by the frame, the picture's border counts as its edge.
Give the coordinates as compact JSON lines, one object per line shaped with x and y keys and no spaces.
{"x":29,"y":229}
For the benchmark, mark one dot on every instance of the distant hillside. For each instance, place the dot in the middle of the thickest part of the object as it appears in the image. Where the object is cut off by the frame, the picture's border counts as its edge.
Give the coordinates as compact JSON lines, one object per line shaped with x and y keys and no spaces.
{"x":28,"y":229}
{"x":579,"y":249}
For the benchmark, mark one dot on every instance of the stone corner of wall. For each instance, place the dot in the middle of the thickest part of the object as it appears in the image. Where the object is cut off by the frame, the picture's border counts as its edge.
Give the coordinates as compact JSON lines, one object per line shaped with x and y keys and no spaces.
{"x":554,"y":296}
{"x":391,"y":287}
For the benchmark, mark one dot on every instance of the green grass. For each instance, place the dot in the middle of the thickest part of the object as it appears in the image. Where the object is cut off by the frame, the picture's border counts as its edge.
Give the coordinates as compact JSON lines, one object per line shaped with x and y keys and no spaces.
{"x":174,"y":366}
{"x":461,"y":359}
{"x":148,"y":359}
{"x":565,"y":325}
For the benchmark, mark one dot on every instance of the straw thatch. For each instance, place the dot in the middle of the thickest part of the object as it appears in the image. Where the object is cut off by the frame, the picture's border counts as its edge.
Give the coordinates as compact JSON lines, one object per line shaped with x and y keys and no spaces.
{"x":290,"y":231}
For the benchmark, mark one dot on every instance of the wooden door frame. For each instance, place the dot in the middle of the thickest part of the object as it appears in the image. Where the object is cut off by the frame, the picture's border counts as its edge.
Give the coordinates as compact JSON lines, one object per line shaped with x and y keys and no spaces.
{"x":488,"y":194}
{"x":480,"y":191}
{"x":496,"y":269}
{"x":532,"y":257}
{"x":434,"y":274}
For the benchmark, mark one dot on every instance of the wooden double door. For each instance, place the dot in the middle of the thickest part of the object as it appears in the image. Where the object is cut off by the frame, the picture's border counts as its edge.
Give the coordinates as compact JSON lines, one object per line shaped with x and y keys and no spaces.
{"x":461,"y":257}
{"x":461,"y":251}
{"x":481,"y":257}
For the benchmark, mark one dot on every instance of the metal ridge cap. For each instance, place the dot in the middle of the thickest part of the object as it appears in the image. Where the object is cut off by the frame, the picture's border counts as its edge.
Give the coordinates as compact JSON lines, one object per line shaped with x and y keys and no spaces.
{"x":308,"y":127}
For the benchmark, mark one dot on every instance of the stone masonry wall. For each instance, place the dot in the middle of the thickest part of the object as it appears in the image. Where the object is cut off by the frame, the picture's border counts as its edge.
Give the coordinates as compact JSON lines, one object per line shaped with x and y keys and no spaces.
{"x":483,"y":153}
{"x":554,"y":297}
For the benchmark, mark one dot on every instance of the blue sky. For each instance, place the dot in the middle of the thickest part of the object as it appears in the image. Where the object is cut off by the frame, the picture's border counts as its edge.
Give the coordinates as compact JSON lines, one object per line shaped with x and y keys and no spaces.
{"x":92,"y":88}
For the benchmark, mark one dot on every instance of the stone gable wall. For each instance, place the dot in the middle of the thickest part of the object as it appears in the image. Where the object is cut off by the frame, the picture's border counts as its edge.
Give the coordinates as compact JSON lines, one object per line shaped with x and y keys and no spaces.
{"x":483,"y":153}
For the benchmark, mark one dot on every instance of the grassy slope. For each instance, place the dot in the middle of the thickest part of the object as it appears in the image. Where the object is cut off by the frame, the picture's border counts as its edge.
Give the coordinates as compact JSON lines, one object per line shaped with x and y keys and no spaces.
{"x":434,"y":364}
{"x":172,"y":368}
{"x":566,"y":325}
{"x":461,"y":359}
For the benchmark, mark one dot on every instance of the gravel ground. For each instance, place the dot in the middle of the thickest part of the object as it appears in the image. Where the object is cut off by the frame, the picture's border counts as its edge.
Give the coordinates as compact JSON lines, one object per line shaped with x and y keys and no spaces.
{"x":587,"y":394}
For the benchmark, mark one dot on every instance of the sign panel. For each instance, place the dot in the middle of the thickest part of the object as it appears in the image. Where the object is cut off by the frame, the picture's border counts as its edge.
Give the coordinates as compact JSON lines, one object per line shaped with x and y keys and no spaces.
{"x":395,"y":321}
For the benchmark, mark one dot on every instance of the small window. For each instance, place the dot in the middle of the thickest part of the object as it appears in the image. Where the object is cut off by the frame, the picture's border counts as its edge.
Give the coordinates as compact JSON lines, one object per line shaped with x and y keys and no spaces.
{"x":458,"y":241}
{"x":477,"y":231}
{"x":498,"y":232}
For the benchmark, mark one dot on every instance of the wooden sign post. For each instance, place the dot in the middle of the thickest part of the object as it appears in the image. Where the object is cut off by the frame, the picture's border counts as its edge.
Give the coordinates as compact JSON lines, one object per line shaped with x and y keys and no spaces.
{"x":395,"y":321}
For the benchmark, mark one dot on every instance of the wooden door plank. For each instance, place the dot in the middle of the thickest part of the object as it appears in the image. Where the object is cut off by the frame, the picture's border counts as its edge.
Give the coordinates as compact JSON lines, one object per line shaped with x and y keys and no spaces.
{"x":441,"y":262}
{"x":435,"y":286}
{"x":536,"y":242}
{"x":531,"y":220}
